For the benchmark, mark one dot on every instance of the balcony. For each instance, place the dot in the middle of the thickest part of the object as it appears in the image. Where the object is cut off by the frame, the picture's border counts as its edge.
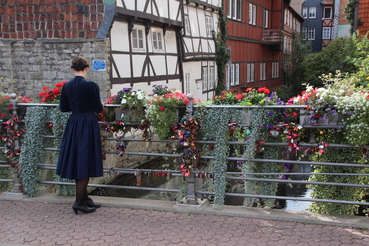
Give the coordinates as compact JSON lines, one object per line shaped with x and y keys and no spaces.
{"x":272,"y":37}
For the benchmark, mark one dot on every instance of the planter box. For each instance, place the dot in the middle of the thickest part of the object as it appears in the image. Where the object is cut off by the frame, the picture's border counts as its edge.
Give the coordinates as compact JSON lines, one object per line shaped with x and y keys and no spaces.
{"x":130,"y":115}
{"x":246,"y":117}
{"x":336,"y":120}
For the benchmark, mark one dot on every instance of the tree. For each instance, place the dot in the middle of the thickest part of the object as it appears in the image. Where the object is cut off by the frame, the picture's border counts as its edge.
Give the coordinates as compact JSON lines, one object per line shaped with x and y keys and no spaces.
{"x":338,"y":55}
{"x":293,"y":70}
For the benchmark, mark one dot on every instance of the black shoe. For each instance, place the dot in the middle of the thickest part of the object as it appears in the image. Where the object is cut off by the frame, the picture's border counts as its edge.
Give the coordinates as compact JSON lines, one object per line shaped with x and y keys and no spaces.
{"x":90,"y":203}
{"x":85,"y":209}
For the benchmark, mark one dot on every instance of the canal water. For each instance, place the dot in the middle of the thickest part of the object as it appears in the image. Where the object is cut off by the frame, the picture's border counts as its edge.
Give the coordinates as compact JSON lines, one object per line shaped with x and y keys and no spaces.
{"x":176,"y":182}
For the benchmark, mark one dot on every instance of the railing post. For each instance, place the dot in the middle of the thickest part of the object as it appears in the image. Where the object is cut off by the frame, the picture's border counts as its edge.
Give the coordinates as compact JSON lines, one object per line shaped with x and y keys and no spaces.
{"x":16,"y":145}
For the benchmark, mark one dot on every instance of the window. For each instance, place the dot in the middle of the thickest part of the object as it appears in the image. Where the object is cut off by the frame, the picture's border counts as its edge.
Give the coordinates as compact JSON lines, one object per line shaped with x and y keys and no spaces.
{"x":187,"y":25}
{"x":312,"y":12}
{"x":234,"y":9}
{"x":304,"y":33}
{"x":275,"y":70}
{"x":228,"y":82}
{"x":252,"y":14}
{"x":211,"y":78}
{"x":233,"y":75}
{"x":265,"y":19}
{"x":187,"y":79}
{"x":204,"y":78}
{"x":327,"y":13}
{"x":304,"y":12}
{"x":157,"y":41}
{"x":231,"y":80}
{"x":137,"y":39}
{"x":250,"y":72}
{"x":209,"y":26}
{"x":326,"y":33}
{"x":262,"y":71}
{"x":236,"y":73}
{"x":311,"y":34}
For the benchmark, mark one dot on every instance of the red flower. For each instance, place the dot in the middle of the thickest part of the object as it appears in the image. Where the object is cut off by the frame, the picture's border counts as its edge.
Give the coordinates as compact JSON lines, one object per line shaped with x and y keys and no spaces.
{"x":318,"y":115}
{"x":160,"y":102}
{"x":248,"y":89}
{"x":239,"y":96}
{"x":294,"y":114}
{"x":10,"y":106}
{"x":3,"y":115}
{"x":56,"y":91}
{"x":162,"y":108}
{"x":45,"y":88}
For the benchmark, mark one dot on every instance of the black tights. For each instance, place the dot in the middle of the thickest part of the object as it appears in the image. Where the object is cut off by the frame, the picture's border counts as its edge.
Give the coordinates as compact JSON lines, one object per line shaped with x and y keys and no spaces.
{"x":81,"y":191}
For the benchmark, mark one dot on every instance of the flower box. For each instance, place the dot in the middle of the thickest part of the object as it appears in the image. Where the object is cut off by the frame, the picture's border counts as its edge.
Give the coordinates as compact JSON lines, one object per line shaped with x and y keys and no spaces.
{"x":130,"y":115}
{"x":246,"y":117}
{"x":306,"y":119}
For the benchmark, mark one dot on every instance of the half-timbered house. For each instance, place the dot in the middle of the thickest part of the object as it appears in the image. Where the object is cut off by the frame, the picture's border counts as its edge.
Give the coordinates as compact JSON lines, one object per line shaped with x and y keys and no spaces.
{"x":164,"y":42}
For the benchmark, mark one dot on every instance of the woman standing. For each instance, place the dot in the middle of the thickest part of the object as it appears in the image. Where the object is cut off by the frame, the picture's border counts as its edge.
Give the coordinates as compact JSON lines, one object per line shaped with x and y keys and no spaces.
{"x":80,"y":154}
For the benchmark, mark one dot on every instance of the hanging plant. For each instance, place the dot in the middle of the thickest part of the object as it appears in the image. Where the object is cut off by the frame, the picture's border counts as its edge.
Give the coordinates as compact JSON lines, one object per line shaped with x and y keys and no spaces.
{"x":32,"y":149}
{"x":214,"y":126}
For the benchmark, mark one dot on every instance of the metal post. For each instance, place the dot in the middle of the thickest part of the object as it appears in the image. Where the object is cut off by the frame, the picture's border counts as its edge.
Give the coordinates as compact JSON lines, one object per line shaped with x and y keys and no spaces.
{"x":15,"y":166}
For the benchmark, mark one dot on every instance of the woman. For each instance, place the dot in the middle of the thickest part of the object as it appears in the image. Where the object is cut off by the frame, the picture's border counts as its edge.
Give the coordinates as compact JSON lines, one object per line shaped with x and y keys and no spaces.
{"x":80,"y":154}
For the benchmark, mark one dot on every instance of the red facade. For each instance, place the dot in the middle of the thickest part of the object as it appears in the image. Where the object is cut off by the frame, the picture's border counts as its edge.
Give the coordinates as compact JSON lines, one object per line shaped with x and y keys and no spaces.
{"x":255,"y":40}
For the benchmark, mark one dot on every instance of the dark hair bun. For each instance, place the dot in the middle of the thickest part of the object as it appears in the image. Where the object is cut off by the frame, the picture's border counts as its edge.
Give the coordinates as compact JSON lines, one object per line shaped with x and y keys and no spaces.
{"x":79,"y":63}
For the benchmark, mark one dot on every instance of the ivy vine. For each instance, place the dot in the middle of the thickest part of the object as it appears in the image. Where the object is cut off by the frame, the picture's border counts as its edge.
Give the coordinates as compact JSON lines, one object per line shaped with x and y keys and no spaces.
{"x":215,"y":127}
{"x":32,"y":149}
{"x":222,"y":55}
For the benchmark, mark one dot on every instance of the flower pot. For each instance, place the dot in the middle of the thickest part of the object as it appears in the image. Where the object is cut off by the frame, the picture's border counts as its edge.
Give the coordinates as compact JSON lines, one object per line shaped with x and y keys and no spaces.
{"x":332,"y":121}
{"x":302,"y":116}
{"x":130,"y":115}
{"x":246,"y":117}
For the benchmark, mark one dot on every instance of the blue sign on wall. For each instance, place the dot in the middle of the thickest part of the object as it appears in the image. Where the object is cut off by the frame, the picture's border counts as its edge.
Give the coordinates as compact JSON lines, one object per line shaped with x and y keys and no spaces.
{"x":99,"y":65}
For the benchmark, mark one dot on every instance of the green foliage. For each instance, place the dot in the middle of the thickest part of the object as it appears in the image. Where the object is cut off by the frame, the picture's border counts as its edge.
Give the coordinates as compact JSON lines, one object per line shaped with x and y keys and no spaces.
{"x":59,"y":120}
{"x":32,"y":149}
{"x":260,"y":133}
{"x":293,"y":70}
{"x":338,"y":55}
{"x":222,"y":55}
{"x":337,"y":155}
{"x":215,"y":127}
{"x":350,"y":14}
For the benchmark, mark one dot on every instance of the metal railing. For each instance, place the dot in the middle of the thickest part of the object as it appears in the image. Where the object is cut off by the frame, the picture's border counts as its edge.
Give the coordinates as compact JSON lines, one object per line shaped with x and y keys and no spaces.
{"x":193,"y":190}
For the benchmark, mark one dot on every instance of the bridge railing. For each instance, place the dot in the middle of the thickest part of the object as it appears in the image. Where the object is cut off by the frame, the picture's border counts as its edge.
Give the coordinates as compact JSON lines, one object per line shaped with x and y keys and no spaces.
{"x":201,"y":183}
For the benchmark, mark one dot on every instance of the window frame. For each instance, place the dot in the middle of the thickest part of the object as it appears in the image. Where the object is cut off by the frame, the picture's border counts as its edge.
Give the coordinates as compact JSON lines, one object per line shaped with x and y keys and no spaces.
{"x":187,"y":25}
{"x":252,"y":14}
{"x":209,"y":25}
{"x":312,"y":32}
{"x":330,"y":13}
{"x":262,"y":71}
{"x":205,"y":78}
{"x":304,"y":12}
{"x":265,"y":19}
{"x":159,"y":41}
{"x":138,"y":41}
{"x":329,"y":33}
{"x":312,"y":12}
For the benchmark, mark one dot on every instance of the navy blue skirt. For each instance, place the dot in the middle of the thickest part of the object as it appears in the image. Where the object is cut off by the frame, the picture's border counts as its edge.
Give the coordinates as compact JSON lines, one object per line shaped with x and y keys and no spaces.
{"x":80,"y":153}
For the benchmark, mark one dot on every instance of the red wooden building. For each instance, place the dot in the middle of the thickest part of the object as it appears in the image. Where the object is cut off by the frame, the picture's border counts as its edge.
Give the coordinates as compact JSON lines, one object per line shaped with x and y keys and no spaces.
{"x":258,"y":33}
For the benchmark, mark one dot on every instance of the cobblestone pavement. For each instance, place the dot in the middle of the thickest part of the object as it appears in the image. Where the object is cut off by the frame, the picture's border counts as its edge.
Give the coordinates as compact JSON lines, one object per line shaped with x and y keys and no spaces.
{"x":43,"y":223}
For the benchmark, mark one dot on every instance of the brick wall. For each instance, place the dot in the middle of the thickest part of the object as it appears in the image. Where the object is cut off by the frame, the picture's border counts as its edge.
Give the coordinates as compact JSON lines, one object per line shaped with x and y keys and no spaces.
{"x":35,"y":19}
{"x":38,"y":39}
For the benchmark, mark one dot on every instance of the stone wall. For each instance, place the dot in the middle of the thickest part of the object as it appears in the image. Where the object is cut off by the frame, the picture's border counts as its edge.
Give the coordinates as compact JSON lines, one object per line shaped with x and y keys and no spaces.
{"x":34,"y":64}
